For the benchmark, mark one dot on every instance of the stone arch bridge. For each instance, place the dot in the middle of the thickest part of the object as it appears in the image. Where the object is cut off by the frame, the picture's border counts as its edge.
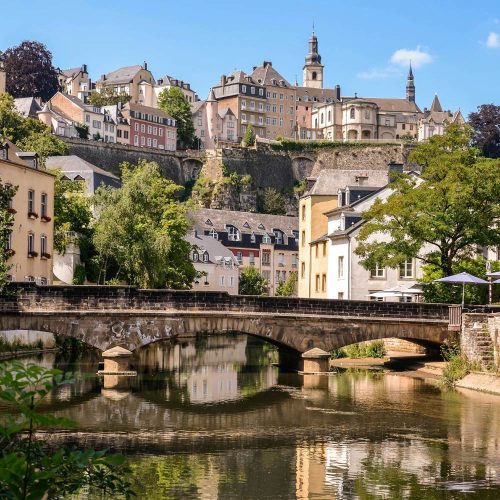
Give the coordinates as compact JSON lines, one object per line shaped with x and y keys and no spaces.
{"x":108,"y":316}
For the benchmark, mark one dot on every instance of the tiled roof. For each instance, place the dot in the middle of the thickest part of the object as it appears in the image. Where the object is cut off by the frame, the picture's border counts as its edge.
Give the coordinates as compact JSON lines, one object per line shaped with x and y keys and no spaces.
{"x":73,"y":163}
{"x":27,"y":106}
{"x":265,"y":75}
{"x":147,"y":109}
{"x":70,"y":73}
{"x":246,"y":222}
{"x":330,"y":181}
{"x":122,"y":75}
{"x":195,"y":106}
{"x":225,"y":111}
{"x":393,"y":105}
{"x":214,"y":247}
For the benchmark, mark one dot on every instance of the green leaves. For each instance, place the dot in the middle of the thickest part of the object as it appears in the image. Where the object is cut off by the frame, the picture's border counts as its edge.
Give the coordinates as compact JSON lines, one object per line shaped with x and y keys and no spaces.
{"x":252,"y":282}
{"x":140,"y":230}
{"x":441,"y":217}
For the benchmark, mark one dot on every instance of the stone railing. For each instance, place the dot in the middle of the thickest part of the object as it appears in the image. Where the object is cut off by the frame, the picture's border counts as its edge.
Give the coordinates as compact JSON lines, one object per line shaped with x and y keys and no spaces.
{"x":30,"y":297}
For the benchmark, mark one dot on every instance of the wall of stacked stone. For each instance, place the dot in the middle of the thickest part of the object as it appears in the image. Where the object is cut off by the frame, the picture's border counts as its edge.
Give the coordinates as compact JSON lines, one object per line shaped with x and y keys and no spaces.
{"x":27,"y":297}
{"x":480,"y":338}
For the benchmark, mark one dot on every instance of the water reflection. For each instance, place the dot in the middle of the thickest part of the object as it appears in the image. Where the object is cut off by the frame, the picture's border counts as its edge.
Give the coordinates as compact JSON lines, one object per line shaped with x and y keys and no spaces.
{"x":215,"y":419}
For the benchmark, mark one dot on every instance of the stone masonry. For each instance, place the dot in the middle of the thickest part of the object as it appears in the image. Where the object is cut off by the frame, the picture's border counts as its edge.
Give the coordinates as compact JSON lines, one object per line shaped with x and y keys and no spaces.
{"x":480,"y":339}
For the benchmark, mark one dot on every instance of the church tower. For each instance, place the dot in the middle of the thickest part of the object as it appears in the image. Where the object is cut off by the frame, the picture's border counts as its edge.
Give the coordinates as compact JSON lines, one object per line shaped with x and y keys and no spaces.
{"x":410,"y":86}
{"x":313,"y":69}
{"x":3,"y":78}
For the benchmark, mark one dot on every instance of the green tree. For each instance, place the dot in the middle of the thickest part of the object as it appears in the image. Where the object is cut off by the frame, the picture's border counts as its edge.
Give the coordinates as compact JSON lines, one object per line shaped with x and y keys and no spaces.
{"x":288,"y":287}
{"x":252,"y":282}
{"x":30,"y":71}
{"x":249,"y":137}
{"x":82,"y":130}
{"x":6,"y":223}
{"x":173,"y":102}
{"x":108,"y":96}
{"x":27,"y":133}
{"x":273,"y":202}
{"x":486,"y":125}
{"x":140,"y":230}
{"x":443,"y":215}
{"x":28,"y":469}
{"x":72,"y":212}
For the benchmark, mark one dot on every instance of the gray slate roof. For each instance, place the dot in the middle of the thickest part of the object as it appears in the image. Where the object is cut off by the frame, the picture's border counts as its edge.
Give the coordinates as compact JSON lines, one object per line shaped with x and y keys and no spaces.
{"x":266,"y":74}
{"x":73,"y":163}
{"x":214,"y":247}
{"x":330,"y":181}
{"x":122,"y":75}
{"x":246,"y":222}
{"x":27,"y":106}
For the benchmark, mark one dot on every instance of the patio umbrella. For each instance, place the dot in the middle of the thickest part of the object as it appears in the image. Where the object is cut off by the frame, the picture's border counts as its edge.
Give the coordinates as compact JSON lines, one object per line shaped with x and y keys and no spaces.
{"x":496,"y":274}
{"x":463,"y":278}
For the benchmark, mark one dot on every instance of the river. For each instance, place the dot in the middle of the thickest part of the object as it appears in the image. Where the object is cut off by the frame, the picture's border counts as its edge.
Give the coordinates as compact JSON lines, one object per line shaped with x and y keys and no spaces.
{"x":215,"y":418}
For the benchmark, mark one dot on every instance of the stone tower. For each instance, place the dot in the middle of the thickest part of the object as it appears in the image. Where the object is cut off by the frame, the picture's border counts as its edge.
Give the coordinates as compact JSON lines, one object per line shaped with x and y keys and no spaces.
{"x":212,"y":108}
{"x":410,"y":86}
{"x":313,"y":69}
{"x":3,"y":78}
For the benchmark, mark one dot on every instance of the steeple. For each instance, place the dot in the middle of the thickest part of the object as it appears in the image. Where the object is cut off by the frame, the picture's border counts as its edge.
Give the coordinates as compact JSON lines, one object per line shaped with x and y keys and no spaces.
{"x":410,"y":86}
{"x":436,"y":105}
{"x":313,"y":69}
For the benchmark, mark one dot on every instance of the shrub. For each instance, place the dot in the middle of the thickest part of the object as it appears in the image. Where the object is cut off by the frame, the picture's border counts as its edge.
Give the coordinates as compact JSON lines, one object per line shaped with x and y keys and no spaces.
{"x":79,"y":275}
{"x":375,"y":349}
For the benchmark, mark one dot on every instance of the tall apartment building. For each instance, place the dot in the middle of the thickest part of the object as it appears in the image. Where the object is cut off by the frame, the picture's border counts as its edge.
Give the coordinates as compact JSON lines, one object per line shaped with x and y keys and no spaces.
{"x":30,"y":244}
{"x":266,"y":242}
{"x":75,"y":82}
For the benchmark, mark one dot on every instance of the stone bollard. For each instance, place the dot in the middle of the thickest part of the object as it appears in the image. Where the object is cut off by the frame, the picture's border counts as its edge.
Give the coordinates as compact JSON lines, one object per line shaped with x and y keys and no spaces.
{"x":117,"y":362}
{"x":316,"y":361}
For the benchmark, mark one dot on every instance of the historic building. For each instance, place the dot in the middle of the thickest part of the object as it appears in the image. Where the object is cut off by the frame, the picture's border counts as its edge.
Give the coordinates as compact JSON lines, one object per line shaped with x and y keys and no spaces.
{"x":266,"y":242}
{"x":75,"y":82}
{"x":30,"y":244}
{"x":3,"y":78}
{"x":434,"y":121}
{"x":218,"y":267}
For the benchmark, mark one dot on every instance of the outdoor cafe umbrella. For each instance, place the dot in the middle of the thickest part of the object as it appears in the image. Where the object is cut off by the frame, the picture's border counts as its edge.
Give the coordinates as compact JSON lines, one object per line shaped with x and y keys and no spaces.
{"x":463,"y":278}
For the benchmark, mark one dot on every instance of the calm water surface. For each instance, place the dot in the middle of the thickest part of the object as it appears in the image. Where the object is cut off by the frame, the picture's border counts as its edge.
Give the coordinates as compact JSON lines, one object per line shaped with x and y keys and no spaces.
{"x":214,"y":418}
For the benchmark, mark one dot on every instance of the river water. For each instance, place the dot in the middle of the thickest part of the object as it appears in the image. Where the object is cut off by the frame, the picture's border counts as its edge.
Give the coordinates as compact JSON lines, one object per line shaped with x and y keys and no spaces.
{"x":214,"y":418}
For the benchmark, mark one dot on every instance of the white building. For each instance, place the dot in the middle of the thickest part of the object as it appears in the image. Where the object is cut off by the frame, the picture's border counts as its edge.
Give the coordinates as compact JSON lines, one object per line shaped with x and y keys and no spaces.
{"x":218,"y":265}
{"x":346,"y":277}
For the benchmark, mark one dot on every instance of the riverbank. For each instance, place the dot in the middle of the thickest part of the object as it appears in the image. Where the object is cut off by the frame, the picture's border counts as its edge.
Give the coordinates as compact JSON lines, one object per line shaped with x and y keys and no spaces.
{"x":6,"y":356}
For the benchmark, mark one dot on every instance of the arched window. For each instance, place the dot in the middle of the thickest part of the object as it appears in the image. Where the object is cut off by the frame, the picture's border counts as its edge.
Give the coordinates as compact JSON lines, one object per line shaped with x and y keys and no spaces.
{"x":314,"y":75}
{"x":195,"y":256}
{"x":353,"y":113}
{"x":253,"y":239}
{"x":329,"y":116}
{"x":213,"y":234}
{"x":322,"y":116}
{"x":205,"y":257}
{"x":232,"y":233}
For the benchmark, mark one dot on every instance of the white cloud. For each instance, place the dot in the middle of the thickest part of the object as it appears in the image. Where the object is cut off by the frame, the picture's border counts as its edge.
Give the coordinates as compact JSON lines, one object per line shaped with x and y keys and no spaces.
{"x":493,"y":41}
{"x":379,"y":73}
{"x":418,"y":57}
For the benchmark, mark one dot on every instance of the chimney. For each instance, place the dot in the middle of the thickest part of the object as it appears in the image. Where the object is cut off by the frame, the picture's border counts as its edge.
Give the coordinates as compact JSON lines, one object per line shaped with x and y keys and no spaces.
{"x":103,"y":77}
{"x":145,"y":65}
{"x":337,"y":92}
{"x":84,"y":68}
{"x":254,"y":68}
{"x":223,"y":80}
{"x":267,"y":63}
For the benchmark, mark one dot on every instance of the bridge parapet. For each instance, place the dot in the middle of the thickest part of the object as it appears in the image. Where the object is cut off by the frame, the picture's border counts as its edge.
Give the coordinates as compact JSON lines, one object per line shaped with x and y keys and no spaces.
{"x":31,"y":297}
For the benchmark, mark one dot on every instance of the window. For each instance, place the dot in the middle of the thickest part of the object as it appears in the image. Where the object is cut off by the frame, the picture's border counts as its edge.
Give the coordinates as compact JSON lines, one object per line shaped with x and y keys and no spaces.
{"x":149,"y":141}
{"x":317,"y":283}
{"x":87,"y":118}
{"x":43,"y":245}
{"x":244,"y":89}
{"x":406,"y":269}
{"x":377,"y":272}
{"x":302,"y":269}
{"x":143,"y":128}
{"x":213,"y":234}
{"x":341,"y":267}
{"x":304,"y":212}
{"x":281,"y":260}
{"x":353,"y":113}
{"x":31,"y":201}
{"x":195,"y":257}
{"x":160,"y":132}
{"x":44,"y":205}
{"x":231,"y":279}
{"x":251,"y":259}
{"x":143,"y":140}
{"x":367,"y":114}
{"x":221,"y":282}
{"x":340,"y":295}
{"x":279,"y":237}
{"x":252,"y":90}
{"x":294,"y":260}
{"x":266,"y":239}
{"x":316,"y":251}
{"x":303,"y":238}
{"x":136,"y":127}
{"x":136,"y":140}
{"x":323,"y":283}
{"x":150,"y":129}
{"x":205,"y":257}
{"x":232,"y":233}
{"x":266,"y":258}
{"x":261,"y":92}
{"x":31,"y":243}
{"x":8,"y":243}
{"x":403,"y":126}
{"x":324,"y":248}
{"x":239,"y":257}
{"x":96,"y":124}
{"x":252,"y":238}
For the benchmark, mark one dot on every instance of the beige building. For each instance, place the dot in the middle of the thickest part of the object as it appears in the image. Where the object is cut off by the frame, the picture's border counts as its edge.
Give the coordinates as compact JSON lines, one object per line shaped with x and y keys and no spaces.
{"x":218,"y":266}
{"x":30,"y":244}
{"x":266,"y":242}
{"x":63,"y":111}
{"x":127,"y":81}
{"x":434,"y":121}
{"x":75,"y":82}
{"x":3,"y":78}
{"x":280,"y":101}
{"x":321,"y":198}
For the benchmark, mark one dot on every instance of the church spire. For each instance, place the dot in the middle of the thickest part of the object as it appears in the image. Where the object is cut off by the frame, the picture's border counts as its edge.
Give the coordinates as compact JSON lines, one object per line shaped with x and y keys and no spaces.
{"x":410,"y":86}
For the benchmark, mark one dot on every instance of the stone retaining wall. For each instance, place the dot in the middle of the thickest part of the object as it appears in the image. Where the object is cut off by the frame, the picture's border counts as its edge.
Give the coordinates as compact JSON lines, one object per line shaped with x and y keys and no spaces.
{"x":480,"y":338}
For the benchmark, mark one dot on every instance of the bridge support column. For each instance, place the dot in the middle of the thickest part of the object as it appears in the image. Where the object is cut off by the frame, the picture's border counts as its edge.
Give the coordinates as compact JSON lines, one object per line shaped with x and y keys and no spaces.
{"x":117,"y":362}
{"x":316,"y":361}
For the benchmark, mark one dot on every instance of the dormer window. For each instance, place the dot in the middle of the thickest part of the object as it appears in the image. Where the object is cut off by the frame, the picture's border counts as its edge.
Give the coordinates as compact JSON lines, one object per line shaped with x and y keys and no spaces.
{"x":253,"y":239}
{"x":213,"y":234}
{"x":232,"y":233}
{"x":195,"y":256}
{"x":266,"y":239}
{"x":279,"y":237}
{"x":205,"y":257}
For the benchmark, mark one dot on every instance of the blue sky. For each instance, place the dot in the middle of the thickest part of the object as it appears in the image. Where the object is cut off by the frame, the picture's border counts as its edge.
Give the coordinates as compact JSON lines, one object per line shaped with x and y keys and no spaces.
{"x":365,"y":45}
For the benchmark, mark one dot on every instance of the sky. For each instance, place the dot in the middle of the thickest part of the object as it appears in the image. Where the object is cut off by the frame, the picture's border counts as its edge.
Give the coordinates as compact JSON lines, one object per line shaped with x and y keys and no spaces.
{"x":365,"y":45}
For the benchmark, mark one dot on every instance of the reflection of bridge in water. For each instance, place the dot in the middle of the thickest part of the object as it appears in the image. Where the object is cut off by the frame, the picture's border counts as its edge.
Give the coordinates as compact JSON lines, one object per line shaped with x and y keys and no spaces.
{"x":125,"y":316}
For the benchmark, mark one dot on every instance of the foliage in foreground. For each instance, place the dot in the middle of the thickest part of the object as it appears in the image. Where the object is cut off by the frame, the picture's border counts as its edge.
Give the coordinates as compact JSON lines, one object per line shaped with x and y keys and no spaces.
{"x":288,"y":287}
{"x":457,"y":365}
{"x":375,"y":349}
{"x":28,"y":468}
{"x":6,"y":223}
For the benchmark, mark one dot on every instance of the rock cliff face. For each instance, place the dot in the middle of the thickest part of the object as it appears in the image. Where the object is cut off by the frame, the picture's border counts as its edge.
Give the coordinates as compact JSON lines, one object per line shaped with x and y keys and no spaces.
{"x":266,"y":167}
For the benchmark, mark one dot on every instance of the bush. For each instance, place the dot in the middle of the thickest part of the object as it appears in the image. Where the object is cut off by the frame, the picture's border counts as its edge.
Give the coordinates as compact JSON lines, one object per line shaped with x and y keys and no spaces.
{"x":79,"y":275}
{"x":456,"y":368}
{"x":374,"y":349}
